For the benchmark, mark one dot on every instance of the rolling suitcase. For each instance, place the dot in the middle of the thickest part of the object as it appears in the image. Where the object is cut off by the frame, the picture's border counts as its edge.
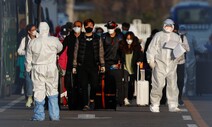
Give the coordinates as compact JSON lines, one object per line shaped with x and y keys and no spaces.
{"x":74,"y":92}
{"x":105,"y":94}
{"x":142,"y":93}
{"x":121,"y":78}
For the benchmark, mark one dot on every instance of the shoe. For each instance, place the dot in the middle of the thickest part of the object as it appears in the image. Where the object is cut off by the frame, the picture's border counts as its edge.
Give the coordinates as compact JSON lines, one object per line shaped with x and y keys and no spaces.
{"x":174,"y":109}
{"x":154,"y":109}
{"x":126,"y":102}
{"x":54,"y":119}
{"x":92,"y":105}
{"x":36,"y":119}
{"x":86,"y":108}
{"x":29,"y":102}
{"x":180,"y":103}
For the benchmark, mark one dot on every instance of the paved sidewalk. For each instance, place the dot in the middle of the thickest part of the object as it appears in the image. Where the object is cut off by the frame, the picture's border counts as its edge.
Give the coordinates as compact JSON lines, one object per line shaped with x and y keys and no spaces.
{"x":19,"y":116}
{"x":200,"y":108}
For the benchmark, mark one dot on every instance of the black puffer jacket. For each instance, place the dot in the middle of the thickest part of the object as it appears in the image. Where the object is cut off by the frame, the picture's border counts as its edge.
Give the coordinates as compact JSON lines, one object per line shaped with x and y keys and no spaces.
{"x":80,"y":47}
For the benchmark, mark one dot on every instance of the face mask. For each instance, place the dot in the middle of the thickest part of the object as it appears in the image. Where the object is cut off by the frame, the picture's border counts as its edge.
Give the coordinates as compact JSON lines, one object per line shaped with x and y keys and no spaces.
{"x":129,"y":42}
{"x":182,"y":32}
{"x":168,"y":29}
{"x":88,"y":30}
{"x":34,"y":33}
{"x":77,"y":29}
{"x":99,"y":34}
{"x":124,"y":31}
{"x":111,"y":31}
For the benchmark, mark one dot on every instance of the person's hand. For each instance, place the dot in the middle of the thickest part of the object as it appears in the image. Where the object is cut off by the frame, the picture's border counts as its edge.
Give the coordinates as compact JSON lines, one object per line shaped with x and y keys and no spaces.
{"x":102,"y":69}
{"x":74,"y":71}
{"x":152,"y":64}
{"x":115,"y":66}
{"x":63,"y":72}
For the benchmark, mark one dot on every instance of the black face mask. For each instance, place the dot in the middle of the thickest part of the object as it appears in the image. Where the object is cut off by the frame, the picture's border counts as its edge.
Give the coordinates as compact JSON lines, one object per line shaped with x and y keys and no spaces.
{"x":88,"y":30}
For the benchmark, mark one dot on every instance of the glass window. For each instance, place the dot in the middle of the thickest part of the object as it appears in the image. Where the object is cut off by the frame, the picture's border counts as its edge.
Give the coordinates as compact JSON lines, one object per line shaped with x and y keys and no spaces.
{"x":194,"y":16}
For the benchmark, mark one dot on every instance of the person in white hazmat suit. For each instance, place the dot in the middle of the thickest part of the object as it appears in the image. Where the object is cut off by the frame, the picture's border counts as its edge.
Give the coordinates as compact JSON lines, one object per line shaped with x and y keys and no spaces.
{"x":164,"y":65}
{"x":190,"y":63}
{"x":41,"y":62}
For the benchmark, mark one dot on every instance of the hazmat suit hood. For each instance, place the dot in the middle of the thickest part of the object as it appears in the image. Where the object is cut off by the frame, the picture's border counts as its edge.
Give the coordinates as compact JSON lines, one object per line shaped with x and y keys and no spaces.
{"x":170,"y":23}
{"x":43,"y":29}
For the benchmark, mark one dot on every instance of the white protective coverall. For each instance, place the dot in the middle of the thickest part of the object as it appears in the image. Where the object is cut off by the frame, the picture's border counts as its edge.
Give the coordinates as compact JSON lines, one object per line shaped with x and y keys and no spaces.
{"x":41,"y":62}
{"x":164,"y":67}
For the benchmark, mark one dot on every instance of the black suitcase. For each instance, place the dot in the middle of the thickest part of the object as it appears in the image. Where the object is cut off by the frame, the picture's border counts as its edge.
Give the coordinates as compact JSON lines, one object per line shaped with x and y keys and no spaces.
{"x":74,"y":92}
{"x":105,"y":93}
{"x":121,"y":82}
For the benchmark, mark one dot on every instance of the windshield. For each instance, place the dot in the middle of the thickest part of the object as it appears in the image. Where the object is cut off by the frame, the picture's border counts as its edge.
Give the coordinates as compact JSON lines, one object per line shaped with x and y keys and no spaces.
{"x":194,"y":15}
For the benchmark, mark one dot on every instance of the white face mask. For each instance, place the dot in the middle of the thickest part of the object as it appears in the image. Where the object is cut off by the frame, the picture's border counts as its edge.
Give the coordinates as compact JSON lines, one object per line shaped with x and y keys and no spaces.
{"x":168,"y":29}
{"x":129,"y":42}
{"x":34,"y":33}
{"x":77,"y":29}
{"x":111,"y":31}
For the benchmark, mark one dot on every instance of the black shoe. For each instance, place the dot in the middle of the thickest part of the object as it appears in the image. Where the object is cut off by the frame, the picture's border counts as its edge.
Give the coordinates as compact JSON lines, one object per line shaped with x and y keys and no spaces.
{"x":92,"y":105}
{"x":181,"y":103}
{"x":86,"y":108}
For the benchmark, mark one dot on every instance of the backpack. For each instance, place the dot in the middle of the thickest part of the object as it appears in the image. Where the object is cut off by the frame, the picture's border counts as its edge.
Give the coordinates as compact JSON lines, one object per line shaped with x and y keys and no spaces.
{"x":182,"y":38}
{"x":26,"y":42}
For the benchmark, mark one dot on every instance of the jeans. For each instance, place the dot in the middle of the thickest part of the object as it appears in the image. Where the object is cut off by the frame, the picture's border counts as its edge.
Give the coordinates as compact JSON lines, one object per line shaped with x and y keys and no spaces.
{"x":29,"y":86}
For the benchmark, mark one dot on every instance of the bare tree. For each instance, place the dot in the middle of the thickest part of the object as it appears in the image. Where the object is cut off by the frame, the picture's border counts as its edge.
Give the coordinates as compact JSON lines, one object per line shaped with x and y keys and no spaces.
{"x":151,"y":11}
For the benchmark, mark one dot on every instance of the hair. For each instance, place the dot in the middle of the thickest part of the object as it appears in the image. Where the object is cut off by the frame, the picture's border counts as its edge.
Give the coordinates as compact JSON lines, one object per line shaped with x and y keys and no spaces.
{"x":77,"y":21}
{"x":126,"y":25}
{"x":135,"y":46}
{"x":99,"y":28}
{"x":69,"y":25}
{"x":118,"y":30}
{"x":176,"y":26}
{"x":29,"y":27}
{"x":87,"y":21}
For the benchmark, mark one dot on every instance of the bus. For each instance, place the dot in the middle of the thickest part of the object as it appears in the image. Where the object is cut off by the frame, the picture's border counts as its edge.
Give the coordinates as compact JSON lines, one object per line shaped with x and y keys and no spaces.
{"x":196,"y":16}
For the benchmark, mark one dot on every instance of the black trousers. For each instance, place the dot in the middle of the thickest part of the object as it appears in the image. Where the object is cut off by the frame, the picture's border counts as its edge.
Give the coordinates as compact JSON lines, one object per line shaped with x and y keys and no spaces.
{"x":88,"y":75}
{"x":180,"y":79}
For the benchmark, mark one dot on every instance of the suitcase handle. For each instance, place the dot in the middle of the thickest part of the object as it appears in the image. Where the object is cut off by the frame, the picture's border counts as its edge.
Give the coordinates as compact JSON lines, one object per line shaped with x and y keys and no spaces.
{"x":137,"y":72}
{"x":142,"y":73}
